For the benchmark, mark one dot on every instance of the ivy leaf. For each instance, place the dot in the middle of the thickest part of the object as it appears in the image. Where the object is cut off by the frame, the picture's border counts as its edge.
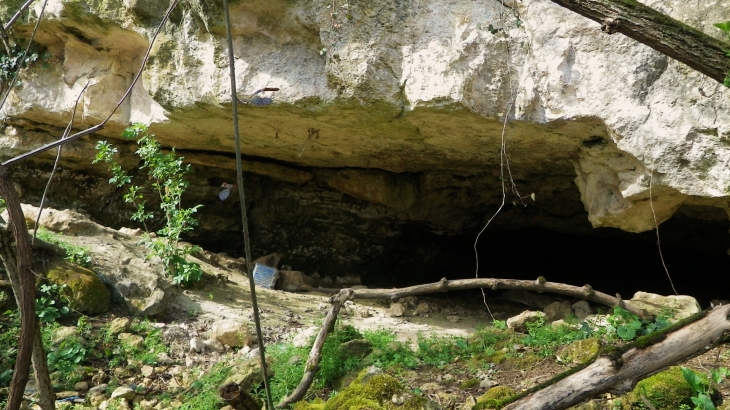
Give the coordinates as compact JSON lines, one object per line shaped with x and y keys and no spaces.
{"x":723,"y":26}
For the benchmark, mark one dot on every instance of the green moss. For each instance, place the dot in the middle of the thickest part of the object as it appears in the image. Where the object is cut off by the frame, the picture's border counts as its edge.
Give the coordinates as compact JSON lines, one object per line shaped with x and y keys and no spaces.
{"x":666,"y":390}
{"x":368,"y":390}
{"x":580,"y":351}
{"x":494,"y":398}
{"x":468,"y":384}
{"x":526,"y":361}
{"x":85,"y":291}
{"x":659,"y":335}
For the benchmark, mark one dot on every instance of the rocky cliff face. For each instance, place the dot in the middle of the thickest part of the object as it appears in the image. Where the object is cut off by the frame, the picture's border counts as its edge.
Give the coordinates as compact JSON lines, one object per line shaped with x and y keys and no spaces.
{"x":389,"y":122}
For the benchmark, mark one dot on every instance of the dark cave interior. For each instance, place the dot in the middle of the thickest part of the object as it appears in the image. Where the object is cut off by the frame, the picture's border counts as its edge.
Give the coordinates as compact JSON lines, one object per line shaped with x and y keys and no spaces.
{"x":611,"y":261}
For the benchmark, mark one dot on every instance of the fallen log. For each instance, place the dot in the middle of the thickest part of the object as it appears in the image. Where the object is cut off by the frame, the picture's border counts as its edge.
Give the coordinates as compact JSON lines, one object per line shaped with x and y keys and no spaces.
{"x":621,"y":372}
{"x":444,"y":285}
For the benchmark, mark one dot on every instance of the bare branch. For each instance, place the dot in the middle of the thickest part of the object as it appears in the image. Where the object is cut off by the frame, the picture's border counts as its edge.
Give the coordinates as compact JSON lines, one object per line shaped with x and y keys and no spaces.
{"x":315,"y":355}
{"x":55,"y":164}
{"x":444,"y":285}
{"x":618,"y":373}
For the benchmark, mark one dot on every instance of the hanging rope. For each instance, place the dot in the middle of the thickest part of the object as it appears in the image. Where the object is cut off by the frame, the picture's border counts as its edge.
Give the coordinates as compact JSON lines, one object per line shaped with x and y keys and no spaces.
{"x":242,"y":198}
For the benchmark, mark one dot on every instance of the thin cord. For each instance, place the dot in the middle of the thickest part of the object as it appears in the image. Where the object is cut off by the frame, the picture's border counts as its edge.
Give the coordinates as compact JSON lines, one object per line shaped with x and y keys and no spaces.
{"x":503,"y":163}
{"x":656,"y":225}
{"x":242,"y":198}
{"x":55,"y":164}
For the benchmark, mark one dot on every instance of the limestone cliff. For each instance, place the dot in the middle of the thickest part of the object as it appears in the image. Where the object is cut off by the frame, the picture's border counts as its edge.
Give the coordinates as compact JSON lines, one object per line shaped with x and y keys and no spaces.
{"x":389,"y":119}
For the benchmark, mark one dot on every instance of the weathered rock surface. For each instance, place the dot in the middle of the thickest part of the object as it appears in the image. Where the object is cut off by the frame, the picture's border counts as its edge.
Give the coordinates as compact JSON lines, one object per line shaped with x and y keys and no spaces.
{"x":678,"y":306}
{"x":389,"y":119}
{"x":519,"y":323}
{"x":231,"y":333}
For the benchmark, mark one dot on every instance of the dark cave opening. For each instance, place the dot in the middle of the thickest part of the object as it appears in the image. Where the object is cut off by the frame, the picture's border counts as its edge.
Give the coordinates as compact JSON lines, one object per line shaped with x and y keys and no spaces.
{"x":610,"y":260}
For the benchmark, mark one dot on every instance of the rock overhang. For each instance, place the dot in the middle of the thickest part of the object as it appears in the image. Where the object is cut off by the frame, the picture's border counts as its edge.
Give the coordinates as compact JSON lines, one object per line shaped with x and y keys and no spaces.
{"x":392,"y":110}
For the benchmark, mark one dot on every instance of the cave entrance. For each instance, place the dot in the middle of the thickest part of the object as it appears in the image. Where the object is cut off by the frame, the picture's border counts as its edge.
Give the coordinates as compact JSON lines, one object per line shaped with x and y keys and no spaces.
{"x":695,"y":252}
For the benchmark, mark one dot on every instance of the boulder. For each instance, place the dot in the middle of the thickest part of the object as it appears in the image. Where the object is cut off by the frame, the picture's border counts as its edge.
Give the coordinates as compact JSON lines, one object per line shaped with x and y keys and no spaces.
{"x":305,"y":337}
{"x":357,"y":347}
{"x":557,"y":310}
{"x":579,"y":352}
{"x":679,"y":307}
{"x":119,"y":325}
{"x":231,"y":332}
{"x":247,"y":373}
{"x":271,"y":260}
{"x":397,"y":310}
{"x":83,"y":288}
{"x":134,"y":341}
{"x":292,"y":281}
{"x":64,"y":334}
{"x":123,"y":392}
{"x":581,"y":309}
{"x":519,"y":323}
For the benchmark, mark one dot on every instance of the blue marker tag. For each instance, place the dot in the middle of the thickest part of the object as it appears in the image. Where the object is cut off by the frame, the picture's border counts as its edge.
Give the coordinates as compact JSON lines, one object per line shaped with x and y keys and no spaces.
{"x":261,"y":101}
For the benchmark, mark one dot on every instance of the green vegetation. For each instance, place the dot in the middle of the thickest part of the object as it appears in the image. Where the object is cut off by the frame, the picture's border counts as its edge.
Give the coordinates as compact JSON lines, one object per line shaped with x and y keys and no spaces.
{"x":10,"y":63}
{"x":546,"y":338}
{"x":704,"y":389}
{"x":725,"y":27}
{"x":167,"y":173}
{"x":74,"y":254}
{"x":203,"y":393}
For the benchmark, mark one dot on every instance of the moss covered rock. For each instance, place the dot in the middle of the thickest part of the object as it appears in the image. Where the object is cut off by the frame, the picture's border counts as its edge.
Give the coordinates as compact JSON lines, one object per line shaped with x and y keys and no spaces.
{"x":493,"y":397}
{"x":84,"y":290}
{"x":580,"y":351}
{"x":374,"y":390}
{"x":666,"y":390}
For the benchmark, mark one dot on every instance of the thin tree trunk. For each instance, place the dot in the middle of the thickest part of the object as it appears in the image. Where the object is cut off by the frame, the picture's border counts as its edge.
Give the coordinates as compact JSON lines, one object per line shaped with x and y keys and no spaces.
{"x":26,"y":294}
{"x":658,"y":31}
{"x":40,"y":366}
{"x":315,"y":355}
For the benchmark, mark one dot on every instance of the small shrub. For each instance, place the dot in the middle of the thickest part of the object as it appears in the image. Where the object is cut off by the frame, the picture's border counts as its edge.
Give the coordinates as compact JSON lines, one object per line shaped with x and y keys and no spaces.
{"x":167,"y":173}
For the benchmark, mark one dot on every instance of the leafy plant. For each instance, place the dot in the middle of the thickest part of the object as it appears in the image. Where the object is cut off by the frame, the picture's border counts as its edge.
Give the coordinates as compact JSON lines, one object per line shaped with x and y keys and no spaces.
{"x":67,"y":357}
{"x":45,"y":305}
{"x":10,"y":63}
{"x":545,"y":337}
{"x":702,"y":388}
{"x":625,"y":323}
{"x":388,"y":352}
{"x":500,"y":324}
{"x":167,"y":172}
{"x":203,"y":393}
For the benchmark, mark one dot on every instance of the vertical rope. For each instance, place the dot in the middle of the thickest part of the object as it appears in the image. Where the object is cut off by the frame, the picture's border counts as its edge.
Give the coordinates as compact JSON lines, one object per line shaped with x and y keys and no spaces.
{"x":242,"y":198}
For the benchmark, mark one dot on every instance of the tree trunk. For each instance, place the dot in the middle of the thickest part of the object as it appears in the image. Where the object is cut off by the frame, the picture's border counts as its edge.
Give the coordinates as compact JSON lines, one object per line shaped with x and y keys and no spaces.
{"x":621,"y":373}
{"x":25,"y":294}
{"x":40,"y":366}
{"x":658,"y":31}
